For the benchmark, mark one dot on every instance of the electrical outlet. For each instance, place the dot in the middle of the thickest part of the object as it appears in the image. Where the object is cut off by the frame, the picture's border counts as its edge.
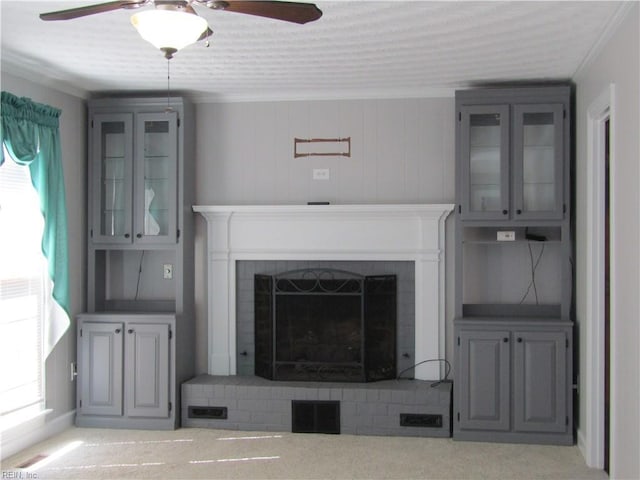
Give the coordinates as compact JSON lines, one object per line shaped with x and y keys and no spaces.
{"x":506,"y":236}
{"x":167,"y":271}
{"x":321,"y":174}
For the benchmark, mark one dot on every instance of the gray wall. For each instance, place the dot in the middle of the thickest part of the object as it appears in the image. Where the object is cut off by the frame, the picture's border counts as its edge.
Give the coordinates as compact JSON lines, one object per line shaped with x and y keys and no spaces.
{"x":402,"y":152}
{"x":617,"y":62}
{"x":60,"y":390}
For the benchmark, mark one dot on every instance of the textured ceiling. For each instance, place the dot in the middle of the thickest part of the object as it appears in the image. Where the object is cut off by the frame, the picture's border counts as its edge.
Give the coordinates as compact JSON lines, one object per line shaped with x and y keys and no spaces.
{"x":357,"y":49}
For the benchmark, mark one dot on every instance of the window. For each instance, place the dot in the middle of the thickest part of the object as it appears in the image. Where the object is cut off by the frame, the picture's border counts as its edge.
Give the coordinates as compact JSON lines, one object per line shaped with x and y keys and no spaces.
{"x":23,"y":286}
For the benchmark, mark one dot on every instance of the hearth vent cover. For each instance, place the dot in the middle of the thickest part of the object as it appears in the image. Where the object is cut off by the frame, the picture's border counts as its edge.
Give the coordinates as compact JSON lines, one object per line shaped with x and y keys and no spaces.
{"x":420,"y":420}
{"x":219,"y":413}
{"x":308,"y":416}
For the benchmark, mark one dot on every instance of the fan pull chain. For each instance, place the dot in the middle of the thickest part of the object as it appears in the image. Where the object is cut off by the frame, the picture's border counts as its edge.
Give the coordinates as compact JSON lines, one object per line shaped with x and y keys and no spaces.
{"x":168,"y":109}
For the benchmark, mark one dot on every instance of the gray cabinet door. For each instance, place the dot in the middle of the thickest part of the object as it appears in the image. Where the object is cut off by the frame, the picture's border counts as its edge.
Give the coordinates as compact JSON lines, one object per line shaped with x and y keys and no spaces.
{"x":540,"y":381}
{"x":111,"y":170}
{"x":484,"y":359}
{"x":147,"y":377}
{"x":538,"y":153}
{"x":156,"y":178}
{"x":484,"y":162}
{"x":100,"y":368}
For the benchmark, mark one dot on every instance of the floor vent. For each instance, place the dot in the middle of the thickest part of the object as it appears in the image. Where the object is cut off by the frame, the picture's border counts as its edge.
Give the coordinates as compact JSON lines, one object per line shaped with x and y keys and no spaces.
{"x":27,"y":464}
{"x":219,"y":413}
{"x":420,"y":420}
{"x":308,"y":416}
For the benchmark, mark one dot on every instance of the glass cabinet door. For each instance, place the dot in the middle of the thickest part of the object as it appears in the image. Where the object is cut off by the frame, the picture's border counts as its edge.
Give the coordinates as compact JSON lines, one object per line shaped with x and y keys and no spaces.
{"x":112,"y":165}
{"x":156,"y":173}
{"x":537,"y":166}
{"x":484,"y":157}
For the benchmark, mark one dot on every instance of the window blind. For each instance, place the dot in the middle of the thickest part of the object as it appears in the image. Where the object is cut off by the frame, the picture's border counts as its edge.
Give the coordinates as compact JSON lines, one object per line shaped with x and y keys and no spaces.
{"x":22,"y":276}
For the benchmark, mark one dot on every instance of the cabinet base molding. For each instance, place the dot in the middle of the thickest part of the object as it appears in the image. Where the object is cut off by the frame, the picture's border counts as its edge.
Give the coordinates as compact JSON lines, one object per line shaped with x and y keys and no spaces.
{"x":126,"y":423}
{"x":515,"y":437}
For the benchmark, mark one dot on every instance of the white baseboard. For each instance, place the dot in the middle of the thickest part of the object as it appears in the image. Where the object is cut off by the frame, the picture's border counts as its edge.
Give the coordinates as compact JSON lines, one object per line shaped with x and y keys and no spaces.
{"x":589,"y":451}
{"x":582,"y":445}
{"x":33,"y":431}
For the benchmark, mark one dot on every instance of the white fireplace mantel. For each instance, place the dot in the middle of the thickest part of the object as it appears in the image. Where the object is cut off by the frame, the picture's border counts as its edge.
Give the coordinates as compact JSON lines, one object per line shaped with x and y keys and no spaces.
{"x":326,"y":232}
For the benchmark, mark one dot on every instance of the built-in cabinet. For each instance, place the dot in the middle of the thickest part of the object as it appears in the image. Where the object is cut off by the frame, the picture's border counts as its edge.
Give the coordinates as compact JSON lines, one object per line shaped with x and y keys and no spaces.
{"x":513,"y":328}
{"x":511,"y":161}
{"x":125,"y":373}
{"x":135,"y":343}
{"x":134,"y":185}
{"x":512,"y":379}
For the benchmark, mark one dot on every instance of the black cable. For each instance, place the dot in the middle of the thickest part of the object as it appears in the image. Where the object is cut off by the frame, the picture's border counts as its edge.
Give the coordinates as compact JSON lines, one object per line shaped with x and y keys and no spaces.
{"x":139,"y":275}
{"x":534,"y":267}
{"x":434,"y":384}
{"x":533,"y":272}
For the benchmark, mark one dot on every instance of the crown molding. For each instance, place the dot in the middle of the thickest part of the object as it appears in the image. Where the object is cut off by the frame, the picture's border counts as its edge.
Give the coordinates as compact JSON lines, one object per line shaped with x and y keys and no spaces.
{"x":353,"y":94}
{"x":609,"y":30}
{"x":41,"y":75}
{"x":36,"y":73}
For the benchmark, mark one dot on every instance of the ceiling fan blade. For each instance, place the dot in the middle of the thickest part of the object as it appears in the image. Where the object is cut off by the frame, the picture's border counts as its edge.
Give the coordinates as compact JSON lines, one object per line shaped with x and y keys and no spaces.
{"x":206,"y":34}
{"x":92,"y":9}
{"x":189,"y":9}
{"x":288,"y":11}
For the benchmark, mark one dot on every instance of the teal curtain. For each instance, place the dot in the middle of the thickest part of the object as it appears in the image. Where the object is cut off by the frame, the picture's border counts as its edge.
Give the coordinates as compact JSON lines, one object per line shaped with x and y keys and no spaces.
{"x":29,"y":131}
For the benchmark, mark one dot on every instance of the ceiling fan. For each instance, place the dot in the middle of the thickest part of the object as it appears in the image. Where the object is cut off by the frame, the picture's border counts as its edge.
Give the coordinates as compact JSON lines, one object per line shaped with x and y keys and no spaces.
{"x":160,"y":26}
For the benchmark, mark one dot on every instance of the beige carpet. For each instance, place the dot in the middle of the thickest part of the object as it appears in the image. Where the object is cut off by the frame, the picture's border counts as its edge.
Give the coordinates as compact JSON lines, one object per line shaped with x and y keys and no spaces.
{"x":199,"y":453}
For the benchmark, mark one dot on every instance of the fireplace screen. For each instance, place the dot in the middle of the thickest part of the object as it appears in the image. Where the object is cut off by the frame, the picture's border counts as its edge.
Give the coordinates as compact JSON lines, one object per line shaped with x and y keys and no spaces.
{"x":325,"y":325}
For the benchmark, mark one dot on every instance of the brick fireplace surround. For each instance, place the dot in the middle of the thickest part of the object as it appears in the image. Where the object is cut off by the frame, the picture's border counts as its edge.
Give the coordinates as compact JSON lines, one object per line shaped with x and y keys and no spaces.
{"x":323,"y":233}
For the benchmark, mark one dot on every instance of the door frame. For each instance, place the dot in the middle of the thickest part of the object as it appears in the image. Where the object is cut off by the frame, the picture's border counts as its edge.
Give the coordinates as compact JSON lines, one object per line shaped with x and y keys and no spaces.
{"x":591,"y":436}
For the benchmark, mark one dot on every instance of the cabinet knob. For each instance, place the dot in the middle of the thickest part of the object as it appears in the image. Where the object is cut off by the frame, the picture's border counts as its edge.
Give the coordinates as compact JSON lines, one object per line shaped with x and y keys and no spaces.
{"x":504,"y":212}
{"x":117,"y":330}
{"x":126,"y":235}
{"x":505,"y":339}
{"x":519,"y":339}
{"x":139,"y":235}
{"x":130,"y":330}
{"x":518,"y":211}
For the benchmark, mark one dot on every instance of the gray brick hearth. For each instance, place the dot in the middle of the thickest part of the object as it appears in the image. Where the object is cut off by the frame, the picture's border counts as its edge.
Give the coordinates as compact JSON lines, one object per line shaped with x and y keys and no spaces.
{"x":254,"y":403}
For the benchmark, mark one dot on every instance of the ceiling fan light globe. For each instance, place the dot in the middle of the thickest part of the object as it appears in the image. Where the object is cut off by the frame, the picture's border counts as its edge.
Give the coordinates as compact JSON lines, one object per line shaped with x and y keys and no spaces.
{"x":166,"y":29}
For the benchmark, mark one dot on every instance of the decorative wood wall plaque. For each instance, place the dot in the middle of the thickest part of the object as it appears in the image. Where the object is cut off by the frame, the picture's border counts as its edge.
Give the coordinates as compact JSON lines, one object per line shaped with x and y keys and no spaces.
{"x":322,"y":147}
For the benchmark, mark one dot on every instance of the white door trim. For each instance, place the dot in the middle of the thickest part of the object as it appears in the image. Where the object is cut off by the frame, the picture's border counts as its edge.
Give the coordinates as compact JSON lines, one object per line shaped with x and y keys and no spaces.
{"x":591,"y":435}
